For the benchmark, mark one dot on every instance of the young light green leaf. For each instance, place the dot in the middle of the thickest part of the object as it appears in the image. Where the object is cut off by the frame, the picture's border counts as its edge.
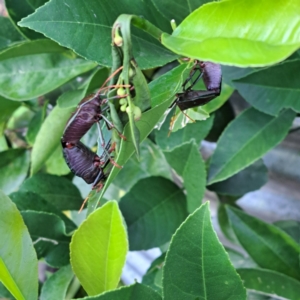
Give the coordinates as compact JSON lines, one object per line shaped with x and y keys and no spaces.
{"x":186,"y":160}
{"x":131,"y":292}
{"x":246,"y":139}
{"x":56,"y":286}
{"x":88,"y":30}
{"x":272,"y":89}
{"x":37,"y":73}
{"x":99,"y":248}
{"x":270,"y":283}
{"x":250,"y":179}
{"x":56,"y":164}
{"x":19,"y":275}
{"x":268,"y":246}
{"x":48,"y":137}
{"x":197,"y":265}
{"x":56,"y":190}
{"x":213,"y":33}
{"x":158,"y":203}
{"x":14,"y":164}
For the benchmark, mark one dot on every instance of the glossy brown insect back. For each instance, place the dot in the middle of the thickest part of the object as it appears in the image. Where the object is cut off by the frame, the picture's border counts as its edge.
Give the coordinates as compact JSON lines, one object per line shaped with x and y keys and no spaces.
{"x":84,"y":163}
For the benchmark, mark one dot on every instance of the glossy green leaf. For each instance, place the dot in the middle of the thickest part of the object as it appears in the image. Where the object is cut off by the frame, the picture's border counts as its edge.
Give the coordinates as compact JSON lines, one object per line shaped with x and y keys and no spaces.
{"x":131,"y":292}
{"x":86,"y":29}
{"x":272,"y":89}
{"x":48,"y":137}
{"x":197,"y":131}
{"x":224,"y":223}
{"x":152,"y":163}
{"x":28,"y":76}
{"x":56,"y":164}
{"x":197,"y":265}
{"x":166,"y":85}
{"x":180,"y":9}
{"x":8,"y":33}
{"x":213,"y":32}
{"x":221,"y":119}
{"x":35,"y":124}
{"x":7,"y":107}
{"x":31,"y":201}
{"x":56,"y":190}
{"x":246,"y":139}
{"x":150,"y":278}
{"x":58,"y":256}
{"x":291,"y":227}
{"x":18,"y":10}
{"x":250,"y":179}
{"x":270,"y":283}
{"x":56,"y":286}
{"x":99,"y":248}
{"x":158,"y":203}
{"x":71,"y":98}
{"x":19,"y":275}
{"x":48,"y":232}
{"x":14,"y":164}
{"x":268,"y":246}
{"x":186,"y":160}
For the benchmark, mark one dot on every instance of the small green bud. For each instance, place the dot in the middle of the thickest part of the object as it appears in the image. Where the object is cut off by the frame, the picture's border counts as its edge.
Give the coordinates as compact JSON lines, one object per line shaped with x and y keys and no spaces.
{"x":137,"y":113}
{"x":121,"y":92}
{"x":123,"y":107}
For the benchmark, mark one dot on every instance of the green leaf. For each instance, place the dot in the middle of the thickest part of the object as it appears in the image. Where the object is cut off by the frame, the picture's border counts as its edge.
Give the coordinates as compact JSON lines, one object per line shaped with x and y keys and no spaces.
{"x":180,"y":9}
{"x":56,"y":164}
{"x":88,"y":29}
{"x":99,"y":248}
{"x":32,"y":201}
{"x":250,"y":179}
{"x":268,"y":246}
{"x":272,"y":89}
{"x":58,"y":256}
{"x":291,"y":227}
{"x":35,"y":124}
{"x":73,"y":97}
{"x":32,"y":74}
{"x":56,"y":190}
{"x":8,"y":33}
{"x":197,"y":131}
{"x":18,"y":10}
{"x":159,"y":89}
{"x":152,"y":163}
{"x":186,"y":160}
{"x":270,"y":283}
{"x":7,"y":107}
{"x":14,"y":164}
{"x":246,"y":139}
{"x":48,"y":137}
{"x":131,"y":292}
{"x":18,"y":262}
{"x":56,"y":286}
{"x":197,"y":265}
{"x":48,"y":233}
{"x":158,"y":203}
{"x":150,"y":278}
{"x":213,"y":32}
{"x":240,"y":260}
